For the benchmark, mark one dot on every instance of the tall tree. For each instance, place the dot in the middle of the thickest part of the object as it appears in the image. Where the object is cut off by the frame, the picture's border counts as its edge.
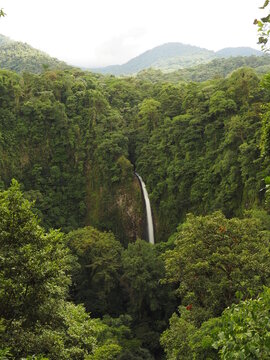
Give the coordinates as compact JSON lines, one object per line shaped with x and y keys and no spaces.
{"x":96,"y":281}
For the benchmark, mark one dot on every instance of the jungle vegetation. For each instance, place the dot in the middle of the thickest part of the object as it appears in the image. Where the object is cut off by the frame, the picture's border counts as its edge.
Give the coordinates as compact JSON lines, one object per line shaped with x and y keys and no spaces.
{"x":77,"y":278}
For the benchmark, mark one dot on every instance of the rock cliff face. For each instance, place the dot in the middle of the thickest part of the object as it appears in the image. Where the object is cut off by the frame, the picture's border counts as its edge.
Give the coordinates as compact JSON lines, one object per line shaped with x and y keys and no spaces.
{"x":130,"y":204}
{"x":119,"y":209}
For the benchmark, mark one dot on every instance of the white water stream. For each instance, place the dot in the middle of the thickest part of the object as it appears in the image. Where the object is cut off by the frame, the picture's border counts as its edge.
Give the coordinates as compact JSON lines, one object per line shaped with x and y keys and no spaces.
{"x":150,"y":225}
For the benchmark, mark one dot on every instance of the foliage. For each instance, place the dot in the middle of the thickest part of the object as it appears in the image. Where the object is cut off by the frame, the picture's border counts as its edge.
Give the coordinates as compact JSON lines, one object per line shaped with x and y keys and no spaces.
{"x":245,"y":329}
{"x":263,"y":27}
{"x":142,"y":270}
{"x":176,"y":339}
{"x":215,"y":258}
{"x":5,"y":354}
{"x":207,"y":157}
{"x":267,"y":193}
{"x":215,"y":262}
{"x":74,"y":157}
{"x":35,"y":266}
{"x":217,"y":68}
{"x":149,"y":302}
{"x":183,"y":340}
{"x":96,"y":282}
{"x":73,"y":139}
{"x":110,"y":352}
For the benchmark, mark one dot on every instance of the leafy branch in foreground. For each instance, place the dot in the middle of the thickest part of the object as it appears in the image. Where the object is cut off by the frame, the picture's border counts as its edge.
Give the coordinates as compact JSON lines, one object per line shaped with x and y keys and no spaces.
{"x":245,"y":329}
{"x":263,"y":28}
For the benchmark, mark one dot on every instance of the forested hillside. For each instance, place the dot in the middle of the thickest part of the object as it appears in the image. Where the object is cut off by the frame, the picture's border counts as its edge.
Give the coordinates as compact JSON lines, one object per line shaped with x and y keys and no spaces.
{"x":76,"y":137}
{"x":20,"y":57}
{"x":175,"y":56}
{"x":217,"y":68}
{"x":172,"y":62}
{"x":166,"y":57}
{"x":93,"y":289}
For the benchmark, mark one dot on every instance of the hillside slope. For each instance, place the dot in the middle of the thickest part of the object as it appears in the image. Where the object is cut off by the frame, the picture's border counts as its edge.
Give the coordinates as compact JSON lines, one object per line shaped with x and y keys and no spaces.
{"x":20,"y":57}
{"x":217,"y":68}
{"x":238,"y":51}
{"x":167,"y":56}
{"x":174,"y":56}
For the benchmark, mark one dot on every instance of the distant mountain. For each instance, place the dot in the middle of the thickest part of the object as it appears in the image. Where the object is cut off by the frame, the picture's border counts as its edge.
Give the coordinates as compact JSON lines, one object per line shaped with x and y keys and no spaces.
{"x":217,"y":68}
{"x":238,"y":51}
{"x":173,"y":56}
{"x":170,"y":56}
{"x":20,"y":57}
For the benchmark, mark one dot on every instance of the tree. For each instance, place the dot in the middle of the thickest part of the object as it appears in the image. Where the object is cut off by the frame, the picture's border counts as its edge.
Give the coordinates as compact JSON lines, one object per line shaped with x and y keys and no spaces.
{"x":148,"y":301}
{"x":34,"y":265}
{"x":96,"y":281}
{"x":183,"y":340}
{"x":244,"y":329}
{"x":241,"y":332}
{"x":175,"y":339}
{"x":149,"y":114}
{"x":214,"y":258}
{"x":35,"y":271}
{"x":142,"y":270}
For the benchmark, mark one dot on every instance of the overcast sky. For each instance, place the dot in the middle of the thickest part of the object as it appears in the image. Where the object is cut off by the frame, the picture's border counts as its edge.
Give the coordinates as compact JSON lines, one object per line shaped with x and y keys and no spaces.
{"x":105,"y":32}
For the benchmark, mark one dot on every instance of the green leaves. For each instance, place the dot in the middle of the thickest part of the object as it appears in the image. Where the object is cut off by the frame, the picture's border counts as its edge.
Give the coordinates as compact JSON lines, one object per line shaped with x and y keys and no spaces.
{"x":99,"y":256}
{"x":142,"y":270}
{"x":213,"y":259}
{"x":2,"y":14}
{"x":35,"y":267}
{"x":245,"y":329}
{"x":263,"y":28}
{"x":266,"y":3}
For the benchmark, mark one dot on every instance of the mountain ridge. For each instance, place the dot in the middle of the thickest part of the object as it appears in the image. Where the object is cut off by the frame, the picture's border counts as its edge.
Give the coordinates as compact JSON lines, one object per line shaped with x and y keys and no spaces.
{"x":168,"y":57}
{"x":173,"y":56}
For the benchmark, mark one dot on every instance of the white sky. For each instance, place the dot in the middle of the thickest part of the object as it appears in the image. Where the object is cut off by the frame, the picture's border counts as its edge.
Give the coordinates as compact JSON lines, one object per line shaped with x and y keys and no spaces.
{"x":105,"y":32}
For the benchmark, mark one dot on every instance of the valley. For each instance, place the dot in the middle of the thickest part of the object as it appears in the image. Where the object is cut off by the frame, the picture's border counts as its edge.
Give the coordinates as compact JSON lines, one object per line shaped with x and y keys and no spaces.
{"x":83,"y":275}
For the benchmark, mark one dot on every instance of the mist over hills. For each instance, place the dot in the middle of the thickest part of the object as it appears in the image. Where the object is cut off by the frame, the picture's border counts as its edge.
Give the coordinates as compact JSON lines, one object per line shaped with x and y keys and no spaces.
{"x":175,"y":61}
{"x":173,"y":56}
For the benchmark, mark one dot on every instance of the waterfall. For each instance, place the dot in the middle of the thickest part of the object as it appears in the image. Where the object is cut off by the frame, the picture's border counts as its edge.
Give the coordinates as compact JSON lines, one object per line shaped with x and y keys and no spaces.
{"x":150,"y":225}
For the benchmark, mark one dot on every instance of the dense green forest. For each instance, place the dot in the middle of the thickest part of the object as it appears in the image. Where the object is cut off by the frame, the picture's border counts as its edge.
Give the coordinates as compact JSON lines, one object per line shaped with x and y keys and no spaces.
{"x":93,"y":288}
